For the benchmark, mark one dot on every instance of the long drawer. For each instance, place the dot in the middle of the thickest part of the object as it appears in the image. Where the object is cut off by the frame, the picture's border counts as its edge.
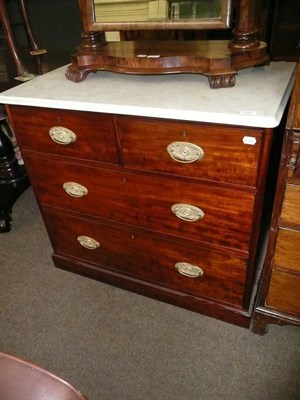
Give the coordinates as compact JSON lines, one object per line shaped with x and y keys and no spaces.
{"x":201,"y":272}
{"x":219,"y":153}
{"x":52,"y":131}
{"x":186,"y":208}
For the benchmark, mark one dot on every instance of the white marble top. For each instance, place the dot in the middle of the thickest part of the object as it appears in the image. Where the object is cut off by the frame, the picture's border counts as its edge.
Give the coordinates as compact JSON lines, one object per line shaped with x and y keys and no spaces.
{"x":258,"y":98}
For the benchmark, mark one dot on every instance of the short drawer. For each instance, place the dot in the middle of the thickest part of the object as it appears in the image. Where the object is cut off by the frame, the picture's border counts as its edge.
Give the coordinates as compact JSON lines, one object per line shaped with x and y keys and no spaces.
{"x":287,"y":252}
{"x":149,"y":258}
{"x":227,"y":154}
{"x":190,"y":209}
{"x":82,"y":135}
{"x":284,"y":292}
{"x":290,"y":215}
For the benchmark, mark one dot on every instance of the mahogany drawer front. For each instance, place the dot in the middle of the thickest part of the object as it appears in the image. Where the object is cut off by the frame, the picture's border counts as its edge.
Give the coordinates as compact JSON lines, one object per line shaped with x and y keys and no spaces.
{"x":284,"y":292}
{"x":287,"y":252}
{"x":290,"y":215}
{"x":95,"y":138}
{"x":146,"y":201}
{"x":149,"y":258}
{"x":226,"y":157}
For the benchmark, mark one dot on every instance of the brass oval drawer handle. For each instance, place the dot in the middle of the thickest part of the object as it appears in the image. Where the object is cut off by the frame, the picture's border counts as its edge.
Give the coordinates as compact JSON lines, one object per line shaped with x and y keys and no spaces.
{"x":62,"y":135}
{"x":189,"y":270}
{"x":187,"y":212}
{"x":88,"y":242}
{"x":75,"y":189}
{"x":185,"y":152}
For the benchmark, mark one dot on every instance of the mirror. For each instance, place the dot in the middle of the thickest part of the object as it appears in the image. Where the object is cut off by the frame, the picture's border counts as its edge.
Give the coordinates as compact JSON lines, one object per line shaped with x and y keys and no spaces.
{"x":219,"y":60}
{"x":150,"y":14}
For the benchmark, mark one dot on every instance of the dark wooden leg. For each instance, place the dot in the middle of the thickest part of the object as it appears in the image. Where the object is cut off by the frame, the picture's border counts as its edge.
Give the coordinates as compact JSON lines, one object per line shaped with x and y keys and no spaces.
{"x":260,"y":321}
{"x":35,"y":51}
{"x":21,"y":69}
{"x":259,"y":324}
{"x":13,"y":178}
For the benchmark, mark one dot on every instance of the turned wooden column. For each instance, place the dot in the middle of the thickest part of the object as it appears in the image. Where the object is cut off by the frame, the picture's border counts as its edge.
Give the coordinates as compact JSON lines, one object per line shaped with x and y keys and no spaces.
{"x":90,"y":43}
{"x":92,"y":40}
{"x":245,"y":34}
{"x":35,"y":50}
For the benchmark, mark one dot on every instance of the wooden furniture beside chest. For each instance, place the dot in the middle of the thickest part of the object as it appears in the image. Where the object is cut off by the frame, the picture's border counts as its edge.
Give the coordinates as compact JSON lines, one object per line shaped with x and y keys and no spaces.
{"x":279,"y":298}
{"x":278,"y":22}
{"x":285,"y":35}
{"x":169,"y":207}
{"x":13,"y":176}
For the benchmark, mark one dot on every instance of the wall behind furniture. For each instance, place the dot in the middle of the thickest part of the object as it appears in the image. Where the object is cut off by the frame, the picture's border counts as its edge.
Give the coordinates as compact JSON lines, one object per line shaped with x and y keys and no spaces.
{"x":56,"y":25}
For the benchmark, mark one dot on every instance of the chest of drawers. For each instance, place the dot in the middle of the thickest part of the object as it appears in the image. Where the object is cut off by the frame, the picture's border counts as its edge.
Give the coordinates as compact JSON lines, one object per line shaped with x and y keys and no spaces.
{"x":154,"y":204}
{"x":165,"y":207}
{"x":279,"y":299}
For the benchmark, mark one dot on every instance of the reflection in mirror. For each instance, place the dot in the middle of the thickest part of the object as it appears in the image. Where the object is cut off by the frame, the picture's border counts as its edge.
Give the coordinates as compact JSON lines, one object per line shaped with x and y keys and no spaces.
{"x":107,"y":11}
{"x":194,"y":9}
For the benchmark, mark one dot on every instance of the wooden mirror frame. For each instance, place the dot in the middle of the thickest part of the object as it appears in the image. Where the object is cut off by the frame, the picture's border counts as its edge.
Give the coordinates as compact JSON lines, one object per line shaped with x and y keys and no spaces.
{"x":219,"y":60}
{"x":89,"y":18}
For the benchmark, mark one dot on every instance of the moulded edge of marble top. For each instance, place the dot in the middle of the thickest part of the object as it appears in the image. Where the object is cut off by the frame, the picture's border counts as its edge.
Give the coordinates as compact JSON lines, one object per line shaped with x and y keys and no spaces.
{"x":53,"y":90}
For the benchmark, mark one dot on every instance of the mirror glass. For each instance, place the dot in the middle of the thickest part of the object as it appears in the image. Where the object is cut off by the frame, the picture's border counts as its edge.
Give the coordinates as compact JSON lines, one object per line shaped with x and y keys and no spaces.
{"x":126,"y":11}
